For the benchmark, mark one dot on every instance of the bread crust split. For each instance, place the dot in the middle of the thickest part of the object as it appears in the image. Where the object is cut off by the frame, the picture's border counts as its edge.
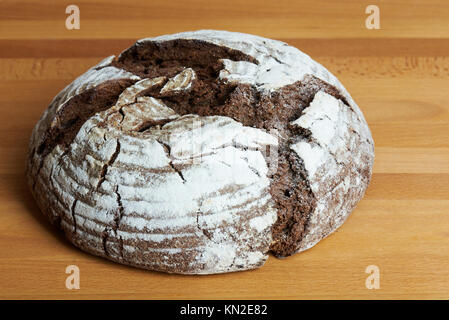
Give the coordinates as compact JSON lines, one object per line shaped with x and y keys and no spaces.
{"x":199,"y":153}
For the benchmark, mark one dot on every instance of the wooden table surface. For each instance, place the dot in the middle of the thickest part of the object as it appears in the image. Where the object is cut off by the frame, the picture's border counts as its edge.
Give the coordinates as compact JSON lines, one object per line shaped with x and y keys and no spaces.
{"x":399,"y":76}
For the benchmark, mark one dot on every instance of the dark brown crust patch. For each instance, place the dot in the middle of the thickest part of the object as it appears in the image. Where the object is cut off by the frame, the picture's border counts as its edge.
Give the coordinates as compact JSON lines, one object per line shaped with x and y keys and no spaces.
{"x":153,"y":59}
{"x":78,"y":110}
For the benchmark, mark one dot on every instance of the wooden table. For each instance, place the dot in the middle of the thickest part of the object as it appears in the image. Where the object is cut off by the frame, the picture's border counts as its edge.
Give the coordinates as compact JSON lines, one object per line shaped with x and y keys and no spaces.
{"x":399,"y":75}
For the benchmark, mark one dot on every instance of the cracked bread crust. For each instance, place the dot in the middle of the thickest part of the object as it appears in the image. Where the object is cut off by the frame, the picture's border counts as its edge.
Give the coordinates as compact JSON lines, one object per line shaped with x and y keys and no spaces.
{"x":199,"y":153}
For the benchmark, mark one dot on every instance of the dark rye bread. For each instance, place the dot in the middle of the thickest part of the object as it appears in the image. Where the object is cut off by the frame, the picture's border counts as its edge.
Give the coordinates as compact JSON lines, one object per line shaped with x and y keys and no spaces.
{"x":183,"y":76}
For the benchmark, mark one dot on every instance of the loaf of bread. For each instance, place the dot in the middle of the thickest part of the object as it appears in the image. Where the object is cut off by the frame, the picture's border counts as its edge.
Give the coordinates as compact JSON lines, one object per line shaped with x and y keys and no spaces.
{"x":200,"y":152}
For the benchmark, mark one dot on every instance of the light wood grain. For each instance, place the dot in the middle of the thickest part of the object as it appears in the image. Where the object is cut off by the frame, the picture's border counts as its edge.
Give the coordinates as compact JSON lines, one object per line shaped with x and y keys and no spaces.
{"x":277,"y":19}
{"x":399,"y":76}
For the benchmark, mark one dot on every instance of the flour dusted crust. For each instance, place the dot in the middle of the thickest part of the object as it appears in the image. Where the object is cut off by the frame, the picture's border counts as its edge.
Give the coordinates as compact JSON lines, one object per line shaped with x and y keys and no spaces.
{"x":199,"y":153}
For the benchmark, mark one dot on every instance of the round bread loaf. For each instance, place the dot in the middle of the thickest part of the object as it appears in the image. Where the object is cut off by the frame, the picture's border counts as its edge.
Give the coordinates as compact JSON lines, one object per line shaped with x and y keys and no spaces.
{"x":200,"y":152}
